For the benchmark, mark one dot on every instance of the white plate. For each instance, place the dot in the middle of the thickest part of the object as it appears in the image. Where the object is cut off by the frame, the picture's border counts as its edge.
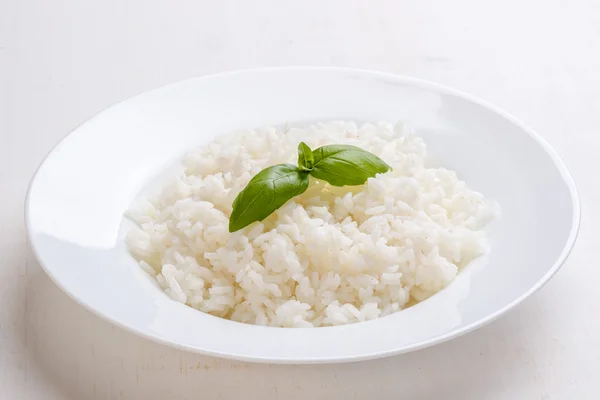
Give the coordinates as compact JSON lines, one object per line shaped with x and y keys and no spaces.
{"x":77,"y":198}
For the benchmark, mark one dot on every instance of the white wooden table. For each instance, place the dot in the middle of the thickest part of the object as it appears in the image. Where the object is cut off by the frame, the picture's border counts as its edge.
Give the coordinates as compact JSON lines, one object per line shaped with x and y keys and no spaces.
{"x":62,"y":61}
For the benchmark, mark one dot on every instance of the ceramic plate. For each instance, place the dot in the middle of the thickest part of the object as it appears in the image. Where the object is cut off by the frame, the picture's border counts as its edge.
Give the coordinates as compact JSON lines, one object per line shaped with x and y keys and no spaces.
{"x":76,"y":201}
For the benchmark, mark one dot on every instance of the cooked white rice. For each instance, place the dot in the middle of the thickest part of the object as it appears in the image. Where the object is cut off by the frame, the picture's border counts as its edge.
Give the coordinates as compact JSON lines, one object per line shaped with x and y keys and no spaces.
{"x":331,"y":256}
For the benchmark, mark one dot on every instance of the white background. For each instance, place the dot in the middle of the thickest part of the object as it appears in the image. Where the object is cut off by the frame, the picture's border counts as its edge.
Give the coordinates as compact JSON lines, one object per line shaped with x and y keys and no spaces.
{"x":62,"y":61}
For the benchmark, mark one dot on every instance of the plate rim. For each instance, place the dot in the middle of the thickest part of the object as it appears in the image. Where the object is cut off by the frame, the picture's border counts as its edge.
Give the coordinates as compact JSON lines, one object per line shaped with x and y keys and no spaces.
{"x":433,"y":86}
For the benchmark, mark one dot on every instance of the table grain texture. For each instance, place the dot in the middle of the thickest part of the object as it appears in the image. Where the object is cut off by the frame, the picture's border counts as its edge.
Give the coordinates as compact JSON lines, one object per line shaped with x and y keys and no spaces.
{"x":62,"y":61}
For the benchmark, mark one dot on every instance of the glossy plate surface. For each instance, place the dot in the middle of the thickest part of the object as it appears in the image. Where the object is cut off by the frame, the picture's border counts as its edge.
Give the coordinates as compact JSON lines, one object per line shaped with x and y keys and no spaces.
{"x":76,"y":201}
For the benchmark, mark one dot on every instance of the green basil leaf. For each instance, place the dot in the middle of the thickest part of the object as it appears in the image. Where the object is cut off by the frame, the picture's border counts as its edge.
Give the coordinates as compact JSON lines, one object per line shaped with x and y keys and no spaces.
{"x":266,"y":192}
{"x":342,"y":165}
{"x":305,"y":157}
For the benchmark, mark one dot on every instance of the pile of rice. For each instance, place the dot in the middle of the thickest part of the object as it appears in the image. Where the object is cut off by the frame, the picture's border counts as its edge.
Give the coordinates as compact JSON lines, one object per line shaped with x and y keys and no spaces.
{"x":331,"y":256}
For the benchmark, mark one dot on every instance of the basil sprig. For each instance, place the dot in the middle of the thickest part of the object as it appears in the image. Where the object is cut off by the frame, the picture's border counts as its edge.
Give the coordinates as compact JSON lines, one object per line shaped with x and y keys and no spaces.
{"x":338,"y":164}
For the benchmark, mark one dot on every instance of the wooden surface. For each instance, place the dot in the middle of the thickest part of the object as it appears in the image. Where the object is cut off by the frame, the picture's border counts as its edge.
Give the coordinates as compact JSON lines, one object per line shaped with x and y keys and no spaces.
{"x":62,"y":61}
